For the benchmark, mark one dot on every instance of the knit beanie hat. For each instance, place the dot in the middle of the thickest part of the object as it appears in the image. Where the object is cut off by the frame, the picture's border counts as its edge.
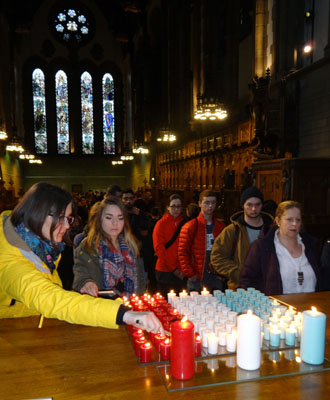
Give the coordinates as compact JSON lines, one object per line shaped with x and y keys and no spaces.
{"x":251,"y":192}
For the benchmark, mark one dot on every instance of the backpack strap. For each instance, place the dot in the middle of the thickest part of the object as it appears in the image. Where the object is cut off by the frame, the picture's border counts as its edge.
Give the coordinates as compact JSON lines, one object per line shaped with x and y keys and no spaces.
{"x":175,"y":235}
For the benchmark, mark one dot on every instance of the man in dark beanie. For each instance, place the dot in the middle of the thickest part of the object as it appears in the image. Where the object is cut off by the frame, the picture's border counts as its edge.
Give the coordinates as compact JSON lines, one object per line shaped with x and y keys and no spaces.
{"x":231,"y":246}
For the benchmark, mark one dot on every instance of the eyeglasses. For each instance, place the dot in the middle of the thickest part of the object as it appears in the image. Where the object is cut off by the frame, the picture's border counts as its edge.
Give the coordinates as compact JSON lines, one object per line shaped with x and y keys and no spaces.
{"x":175,"y":206}
{"x":210,"y":203}
{"x":63,"y":219}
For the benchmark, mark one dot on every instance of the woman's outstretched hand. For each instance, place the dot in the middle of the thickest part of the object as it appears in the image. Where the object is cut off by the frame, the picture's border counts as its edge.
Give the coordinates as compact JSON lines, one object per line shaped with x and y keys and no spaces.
{"x":90,"y":288}
{"x":144,"y":320}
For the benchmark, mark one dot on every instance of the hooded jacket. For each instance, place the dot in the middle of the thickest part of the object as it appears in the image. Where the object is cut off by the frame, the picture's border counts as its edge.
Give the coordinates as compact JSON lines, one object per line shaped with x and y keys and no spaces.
{"x":27,"y":287}
{"x":192,"y":245}
{"x":223,"y":259}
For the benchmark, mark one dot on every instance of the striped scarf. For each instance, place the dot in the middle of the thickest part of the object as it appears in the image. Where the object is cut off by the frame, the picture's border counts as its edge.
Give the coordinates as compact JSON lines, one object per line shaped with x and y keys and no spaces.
{"x":119,"y":267}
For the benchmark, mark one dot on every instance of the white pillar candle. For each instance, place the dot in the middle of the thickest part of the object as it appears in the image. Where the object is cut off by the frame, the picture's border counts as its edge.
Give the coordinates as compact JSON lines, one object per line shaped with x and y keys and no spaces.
{"x":205,"y":292}
{"x":212,"y":343}
{"x":203,"y":317}
{"x":217,"y":316}
{"x":210,"y":322}
{"x":248,"y":341}
{"x":201,"y":327}
{"x":183,"y":294}
{"x":205,"y":335}
{"x":170,"y":296}
{"x":232,"y":316}
{"x":222,"y":334}
{"x":231,"y":341}
{"x":198,"y":311}
{"x":230,"y":326}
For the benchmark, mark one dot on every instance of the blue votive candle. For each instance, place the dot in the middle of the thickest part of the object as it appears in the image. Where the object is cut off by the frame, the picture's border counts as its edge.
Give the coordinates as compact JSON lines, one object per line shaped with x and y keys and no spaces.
{"x":274,"y":336}
{"x":312,"y":343}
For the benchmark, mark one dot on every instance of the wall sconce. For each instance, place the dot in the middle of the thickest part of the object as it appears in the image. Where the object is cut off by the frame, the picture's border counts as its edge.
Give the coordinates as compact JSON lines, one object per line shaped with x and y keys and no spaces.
{"x":117,"y":162}
{"x":307,"y":48}
{"x":3,"y":135}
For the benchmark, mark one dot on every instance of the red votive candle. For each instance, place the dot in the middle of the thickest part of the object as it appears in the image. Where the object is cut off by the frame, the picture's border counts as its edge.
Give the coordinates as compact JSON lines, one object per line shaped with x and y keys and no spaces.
{"x":138,"y":342}
{"x":182,"y":349}
{"x":198,"y":346}
{"x":137,"y":334}
{"x":174,"y":313}
{"x":165,"y":349}
{"x":152,"y":336}
{"x":145,"y":352}
{"x":167,"y":322}
{"x":158,"y":338}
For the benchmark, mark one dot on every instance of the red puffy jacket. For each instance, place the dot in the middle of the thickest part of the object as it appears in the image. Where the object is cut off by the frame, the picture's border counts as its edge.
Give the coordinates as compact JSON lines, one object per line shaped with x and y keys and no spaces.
{"x":192,"y":245}
{"x":163,"y":232}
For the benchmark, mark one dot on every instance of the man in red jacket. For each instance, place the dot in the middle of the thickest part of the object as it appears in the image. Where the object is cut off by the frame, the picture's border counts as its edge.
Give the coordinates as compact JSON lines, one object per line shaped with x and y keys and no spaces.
{"x":195,"y":244}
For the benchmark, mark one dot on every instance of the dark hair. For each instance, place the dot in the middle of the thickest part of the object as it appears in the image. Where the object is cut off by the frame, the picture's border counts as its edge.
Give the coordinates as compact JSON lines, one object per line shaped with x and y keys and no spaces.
{"x":174,"y":196}
{"x":112,"y":190}
{"x":128,"y":190}
{"x":207,"y":193}
{"x":192,"y":210}
{"x":41,"y":200}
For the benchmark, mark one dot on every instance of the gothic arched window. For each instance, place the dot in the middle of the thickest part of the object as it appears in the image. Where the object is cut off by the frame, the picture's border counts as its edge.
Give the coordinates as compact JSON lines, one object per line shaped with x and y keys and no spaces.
{"x":108,"y":114}
{"x":62,"y":113}
{"x":39,"y":111}
{"x":87,"y":123}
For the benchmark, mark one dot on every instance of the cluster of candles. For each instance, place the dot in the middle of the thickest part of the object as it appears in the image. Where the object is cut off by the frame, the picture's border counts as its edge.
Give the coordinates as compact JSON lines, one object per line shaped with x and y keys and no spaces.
{"x":215,"y":317}
{"x":232,"y":320}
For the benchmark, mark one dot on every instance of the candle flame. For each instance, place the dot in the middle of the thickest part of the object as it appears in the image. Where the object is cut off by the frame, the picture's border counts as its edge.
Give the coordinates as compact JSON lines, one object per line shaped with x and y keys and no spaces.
{"x":298,"y":359}
{"x":172,"y":291}
{"x":291,"y":308}
{"x":167,"y":341}
{"x":314,"y":310}
{"x":183,"y":291}
{"x":198,"y":338}
{"x":249,"y":312}
{"x":148,"y":344}
{"x":184,"y":319}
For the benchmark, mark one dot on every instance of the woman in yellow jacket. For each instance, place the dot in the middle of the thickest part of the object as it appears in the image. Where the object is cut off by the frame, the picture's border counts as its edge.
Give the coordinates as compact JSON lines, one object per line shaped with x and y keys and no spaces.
{"x":31,"y":240}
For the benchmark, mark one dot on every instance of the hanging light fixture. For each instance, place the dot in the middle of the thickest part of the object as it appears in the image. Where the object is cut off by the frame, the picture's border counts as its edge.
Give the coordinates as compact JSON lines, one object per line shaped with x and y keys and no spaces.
{"x":27,"y":156}
{"x":166,"y":135}
{"x":35,"y":161}
{"x":127,"y":154}
{"x":117,"y":162}
{"x":140,"y":149}
{"x":209,"y":109}
{"x":15,"y":145}
{"x":3,"y":135}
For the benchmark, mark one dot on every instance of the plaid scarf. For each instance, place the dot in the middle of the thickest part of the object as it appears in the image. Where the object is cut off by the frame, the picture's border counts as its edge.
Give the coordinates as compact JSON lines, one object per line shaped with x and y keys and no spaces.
{"x":119,"y":267}
{"x":42,"y":248}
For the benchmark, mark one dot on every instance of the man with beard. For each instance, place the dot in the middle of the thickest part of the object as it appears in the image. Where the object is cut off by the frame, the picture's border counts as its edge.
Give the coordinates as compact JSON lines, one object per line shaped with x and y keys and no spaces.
{"x":231,"y":246}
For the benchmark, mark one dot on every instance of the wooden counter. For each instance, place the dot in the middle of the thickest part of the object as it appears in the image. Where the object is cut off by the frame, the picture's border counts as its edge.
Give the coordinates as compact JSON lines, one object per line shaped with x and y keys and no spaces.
{"x":68,"y":362}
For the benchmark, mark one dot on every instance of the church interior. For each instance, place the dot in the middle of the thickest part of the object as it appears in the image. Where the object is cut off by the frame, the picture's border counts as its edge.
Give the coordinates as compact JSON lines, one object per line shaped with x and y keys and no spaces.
{"x":176,"y":96}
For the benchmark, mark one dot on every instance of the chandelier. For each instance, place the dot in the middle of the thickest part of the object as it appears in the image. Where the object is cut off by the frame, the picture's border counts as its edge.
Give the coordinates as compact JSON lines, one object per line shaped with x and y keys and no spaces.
{"x":117,"y":162}
{"x":3,"y":135}
{"x":15,"y":145}
{"x":35,"y":161}
{"x":166,"y":135}
{"x":140,"y":149}
{"x":209,"y":109}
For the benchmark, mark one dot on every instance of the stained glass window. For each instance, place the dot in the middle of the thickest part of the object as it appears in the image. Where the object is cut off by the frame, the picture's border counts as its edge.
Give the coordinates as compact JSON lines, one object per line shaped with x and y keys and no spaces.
{"x":108,"y":115}
{"x":71,"y":25}
{"x":86,"y":89}
{"x":62,"y":113}
{"x":39,"y":111}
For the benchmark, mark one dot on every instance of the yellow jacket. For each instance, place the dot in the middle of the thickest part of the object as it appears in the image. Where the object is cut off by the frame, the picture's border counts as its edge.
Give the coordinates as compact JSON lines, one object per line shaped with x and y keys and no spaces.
{"x":27,"y":287}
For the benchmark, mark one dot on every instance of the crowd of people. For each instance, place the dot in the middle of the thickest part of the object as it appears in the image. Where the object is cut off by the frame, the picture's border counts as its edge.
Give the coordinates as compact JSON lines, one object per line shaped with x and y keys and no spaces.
{"x":116,"y":243}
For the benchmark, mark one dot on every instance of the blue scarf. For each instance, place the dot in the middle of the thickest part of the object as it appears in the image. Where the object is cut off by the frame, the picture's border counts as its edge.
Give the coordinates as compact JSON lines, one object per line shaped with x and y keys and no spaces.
{"x":118,"y":266}
{"x":42,"y":248}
